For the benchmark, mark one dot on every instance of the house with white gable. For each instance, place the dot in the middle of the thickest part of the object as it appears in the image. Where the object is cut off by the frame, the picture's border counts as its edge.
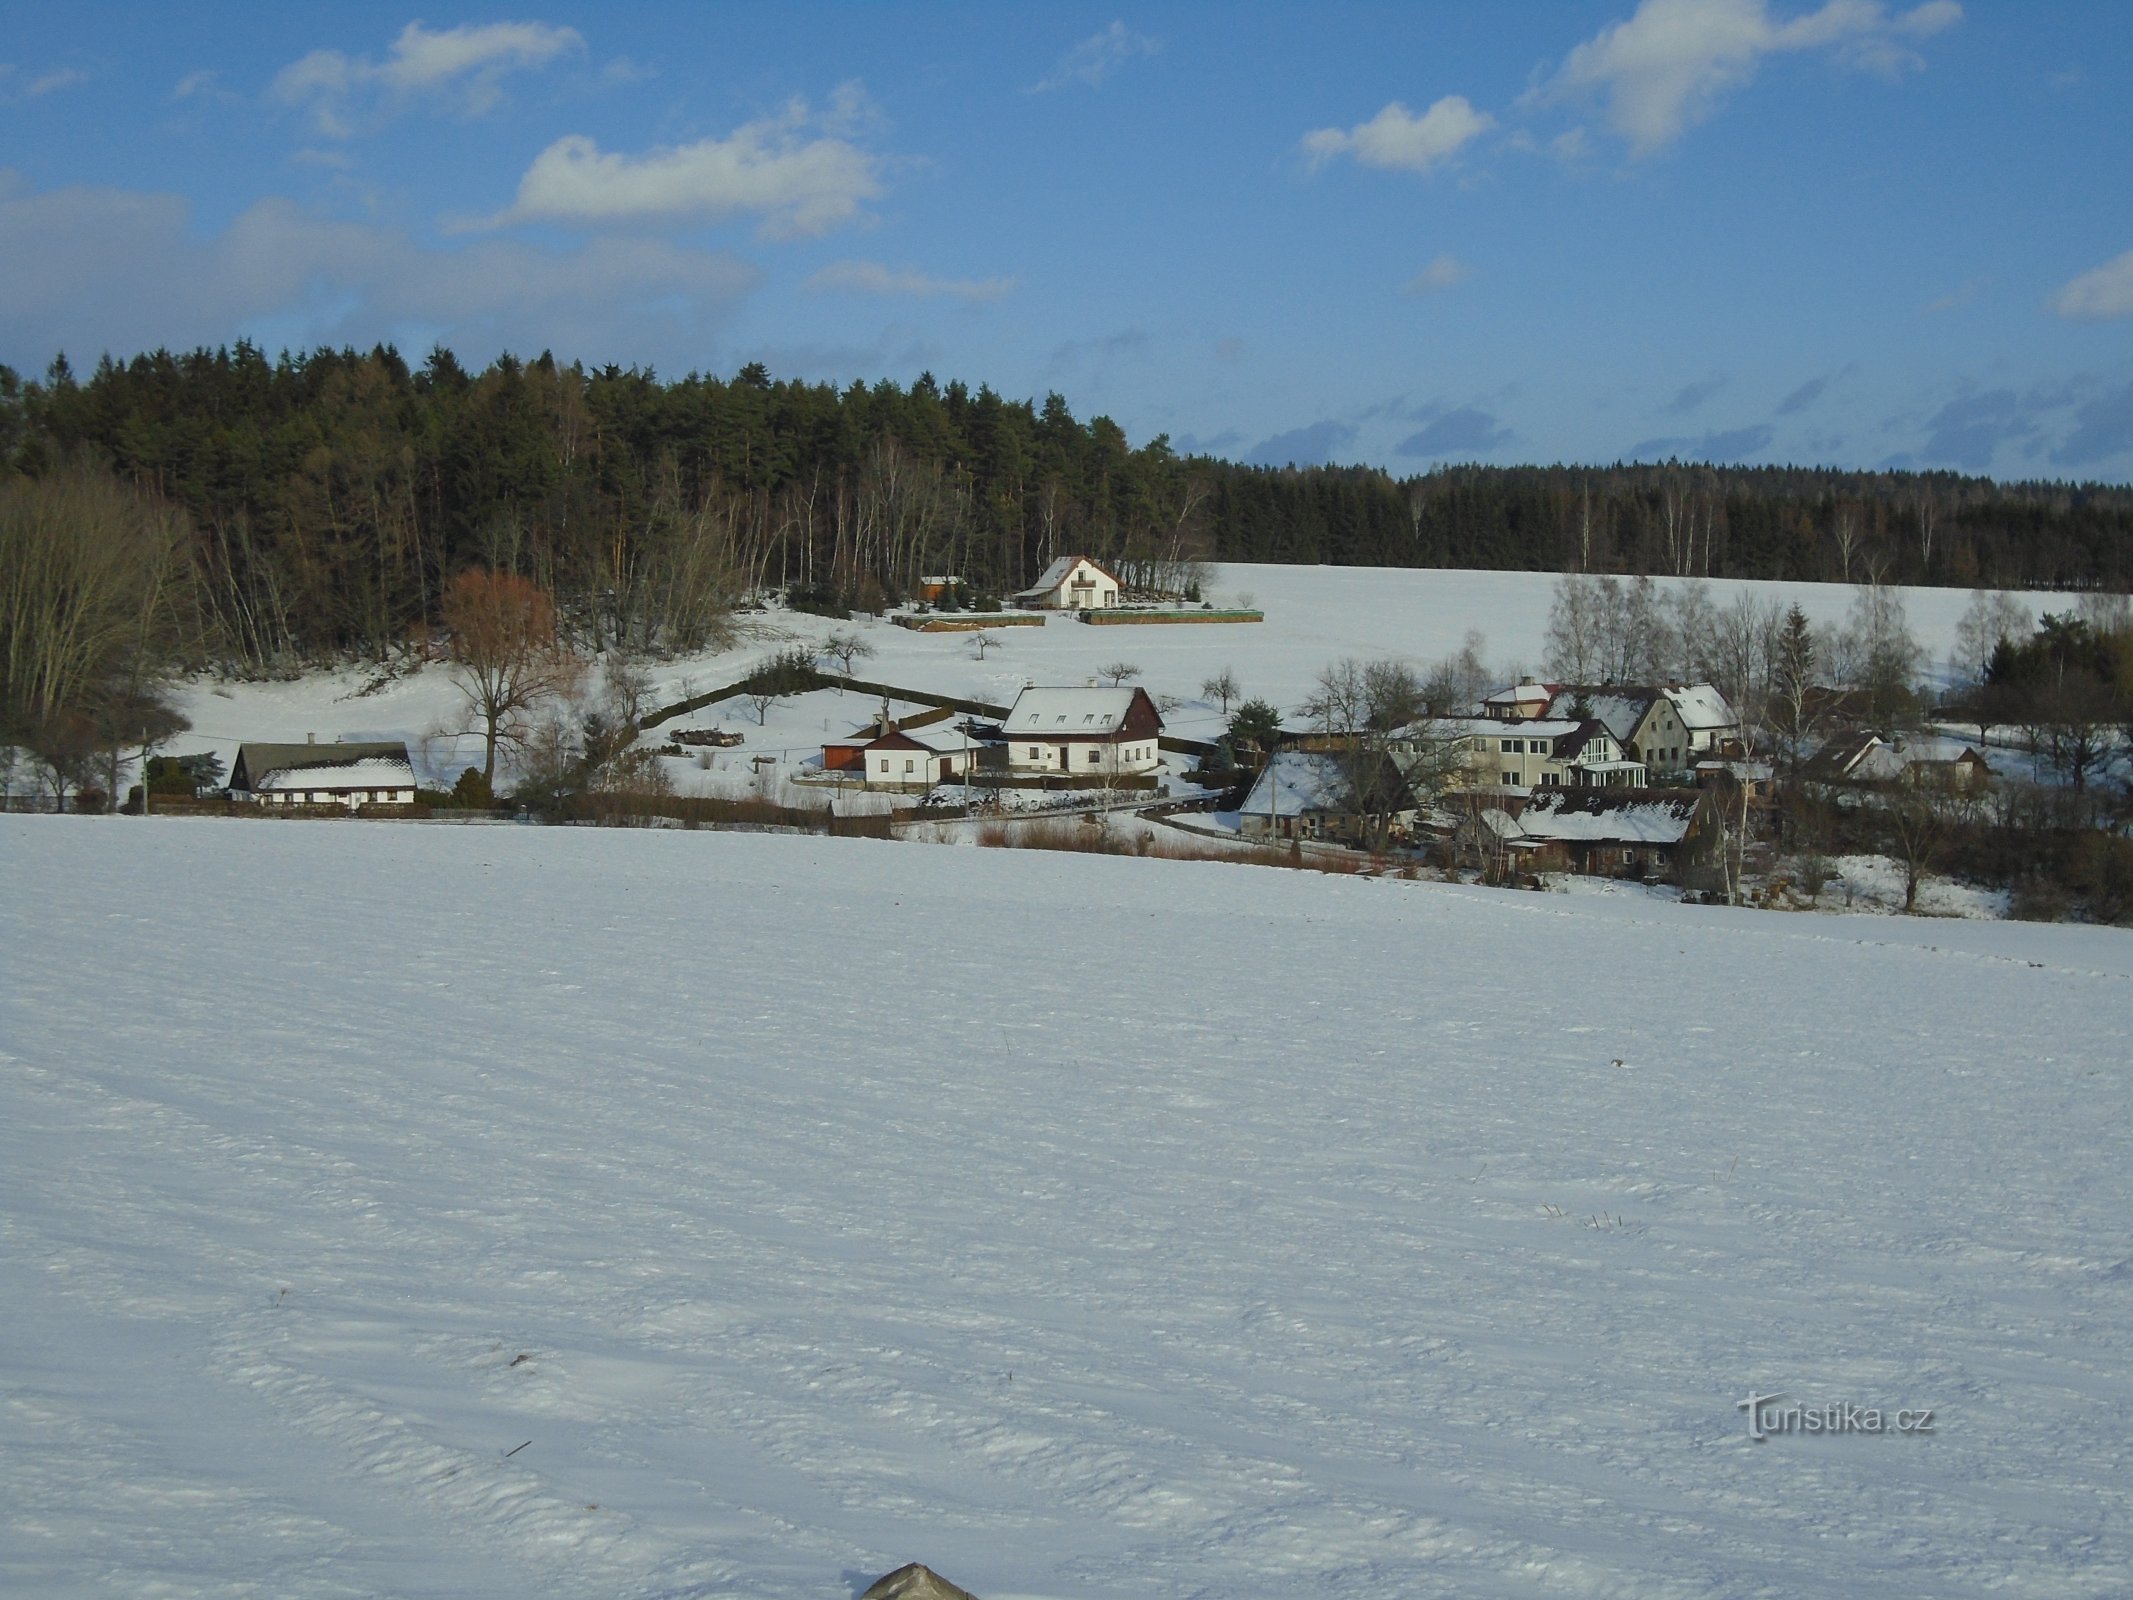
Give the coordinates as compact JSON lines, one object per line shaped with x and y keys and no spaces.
{"x":1072,"y":583}
{"x":907,"y":759}
{"x":1667,"y":728}
{"x":1090,"y":732}
{"x":353,"y":775}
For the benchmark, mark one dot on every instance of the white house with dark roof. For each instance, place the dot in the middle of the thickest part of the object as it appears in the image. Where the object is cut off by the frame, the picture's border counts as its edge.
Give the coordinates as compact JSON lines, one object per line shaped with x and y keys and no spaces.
{"x":1089,"y":732}
{"x":373,"y":772}
{"x":1072,"y":583}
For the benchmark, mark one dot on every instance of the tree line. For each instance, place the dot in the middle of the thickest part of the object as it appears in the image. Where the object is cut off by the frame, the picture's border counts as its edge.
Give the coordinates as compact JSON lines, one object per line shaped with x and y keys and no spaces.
{"x":224,"y":509}
{"x":331,"y":497}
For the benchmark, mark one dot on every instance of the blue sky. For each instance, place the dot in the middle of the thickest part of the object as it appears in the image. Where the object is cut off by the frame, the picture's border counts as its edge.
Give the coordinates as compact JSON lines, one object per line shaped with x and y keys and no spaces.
{"x":1841,"y":233}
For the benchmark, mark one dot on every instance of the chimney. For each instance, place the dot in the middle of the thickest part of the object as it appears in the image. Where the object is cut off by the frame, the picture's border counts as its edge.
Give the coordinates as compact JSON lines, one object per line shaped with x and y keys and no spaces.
{"x":310,"y":738}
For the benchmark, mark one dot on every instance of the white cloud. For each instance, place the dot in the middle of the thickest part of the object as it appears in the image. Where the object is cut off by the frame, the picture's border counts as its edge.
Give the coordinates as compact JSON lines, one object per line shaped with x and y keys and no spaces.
{"x":16,"y":85}
{"x":119,"y":270}
{"x":1439,"y":275}
{"x":871,"y":277}
{"x":2099,"y":295}
{"x":461,"y":67}
{"x":1097,"y":57}
{"x":1398,"y":139}
{"x":1669,"y":66}
{"x":799,"y":185}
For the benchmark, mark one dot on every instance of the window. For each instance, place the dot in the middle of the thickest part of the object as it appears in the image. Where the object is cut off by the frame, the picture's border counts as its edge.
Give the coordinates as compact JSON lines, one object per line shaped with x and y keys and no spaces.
{"x":1510,"y":780}
{"x":1512,"y":747}
{"x":1541,"y":747}
{"x":1094,"y":757}
{"x":909,"y":764}
{"x":1035,"y":754}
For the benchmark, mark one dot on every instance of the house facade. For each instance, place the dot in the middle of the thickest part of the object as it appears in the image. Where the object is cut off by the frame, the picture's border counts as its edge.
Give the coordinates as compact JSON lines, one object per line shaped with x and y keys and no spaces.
{"x":1524,"y":753}
{"x":900,"y":760}
{"x":1072,"y":583}
{"x":351,"y":775}
{"x":1090,"y":732}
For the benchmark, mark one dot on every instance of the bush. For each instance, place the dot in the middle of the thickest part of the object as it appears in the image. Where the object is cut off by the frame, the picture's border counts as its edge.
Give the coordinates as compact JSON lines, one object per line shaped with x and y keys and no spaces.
{"x":472,"y":791}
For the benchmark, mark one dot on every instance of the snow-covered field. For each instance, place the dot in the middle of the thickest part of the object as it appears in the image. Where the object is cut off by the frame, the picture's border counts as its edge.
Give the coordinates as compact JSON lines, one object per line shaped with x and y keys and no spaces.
{"x":1315,"y":615}
{"x":388,"y":1209}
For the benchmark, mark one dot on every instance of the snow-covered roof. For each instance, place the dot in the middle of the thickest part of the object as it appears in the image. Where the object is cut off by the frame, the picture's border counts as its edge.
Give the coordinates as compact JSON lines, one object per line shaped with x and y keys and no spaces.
{"x":1493,"y":728}
{"x":1520,"y":694}
{"x":1294,"y":783}
{"x":1618,"y":709}
{"x":1883,"y":760}
{"x":258,"y":760}
{"x":1604,"y":816}
{"x":1059,"y":712}
{"x":1701,"y":707}
{"x":933,"y":741}
{"x":372,"y":772}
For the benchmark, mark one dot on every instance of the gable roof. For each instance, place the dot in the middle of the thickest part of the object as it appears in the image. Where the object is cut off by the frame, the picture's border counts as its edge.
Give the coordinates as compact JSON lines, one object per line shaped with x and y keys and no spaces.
{"x":1520,"y":694}
{"x":258,"y":761}
{"x":897,"y":739}
{"x":1611,"y":816}
{"x":1701,"y":707}
{"x":1620,"y":708}
{"x":1059,"y":571}
{"x":371,"y":772}
{"x":1296,"y":783}
{"x":1071,"y":713}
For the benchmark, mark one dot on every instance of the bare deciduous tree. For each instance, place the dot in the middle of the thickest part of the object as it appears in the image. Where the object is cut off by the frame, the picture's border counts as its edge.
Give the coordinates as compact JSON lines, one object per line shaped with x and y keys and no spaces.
{"x":846,"y":647}
{"x":1119,"y":671}
{"x":506,"y":654}
{"x":1223,"y":687}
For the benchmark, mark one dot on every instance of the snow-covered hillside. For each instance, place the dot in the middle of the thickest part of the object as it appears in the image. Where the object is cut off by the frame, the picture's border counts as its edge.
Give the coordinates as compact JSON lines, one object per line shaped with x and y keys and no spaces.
{"x":511,"y":1211}
{"x":1315,"y":615}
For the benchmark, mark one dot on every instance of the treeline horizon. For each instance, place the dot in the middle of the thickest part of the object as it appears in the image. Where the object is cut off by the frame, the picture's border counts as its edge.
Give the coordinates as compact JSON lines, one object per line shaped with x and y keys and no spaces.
{"x":326,"y":500}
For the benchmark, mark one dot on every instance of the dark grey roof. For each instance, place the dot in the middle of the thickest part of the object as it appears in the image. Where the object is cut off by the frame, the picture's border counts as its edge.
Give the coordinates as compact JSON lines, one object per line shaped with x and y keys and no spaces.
{"x":256,"y":760}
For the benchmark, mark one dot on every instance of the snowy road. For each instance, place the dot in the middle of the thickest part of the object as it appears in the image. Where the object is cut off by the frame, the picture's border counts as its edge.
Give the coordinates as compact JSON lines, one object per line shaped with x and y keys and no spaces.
{"x":1080,"y":1226}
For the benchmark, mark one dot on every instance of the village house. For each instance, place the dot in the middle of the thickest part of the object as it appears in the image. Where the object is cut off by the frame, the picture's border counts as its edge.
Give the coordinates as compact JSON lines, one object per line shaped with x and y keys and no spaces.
{"x":1517,"y":755}
{"x":1613,"y":832}
{"x":1327,"y":794}
{"x":1072,"y":583}
{"x":1667,"y":728}
{"x":1861,"y":757}
{"x":1525,"y":699}
{"x":902,"y":760}
{"x":1092,"y":732}
{"x":351,"y":775}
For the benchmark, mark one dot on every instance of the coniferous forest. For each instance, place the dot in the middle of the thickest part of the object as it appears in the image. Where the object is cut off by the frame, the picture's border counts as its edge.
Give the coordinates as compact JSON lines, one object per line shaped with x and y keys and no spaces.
{"x":319,"y":504}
